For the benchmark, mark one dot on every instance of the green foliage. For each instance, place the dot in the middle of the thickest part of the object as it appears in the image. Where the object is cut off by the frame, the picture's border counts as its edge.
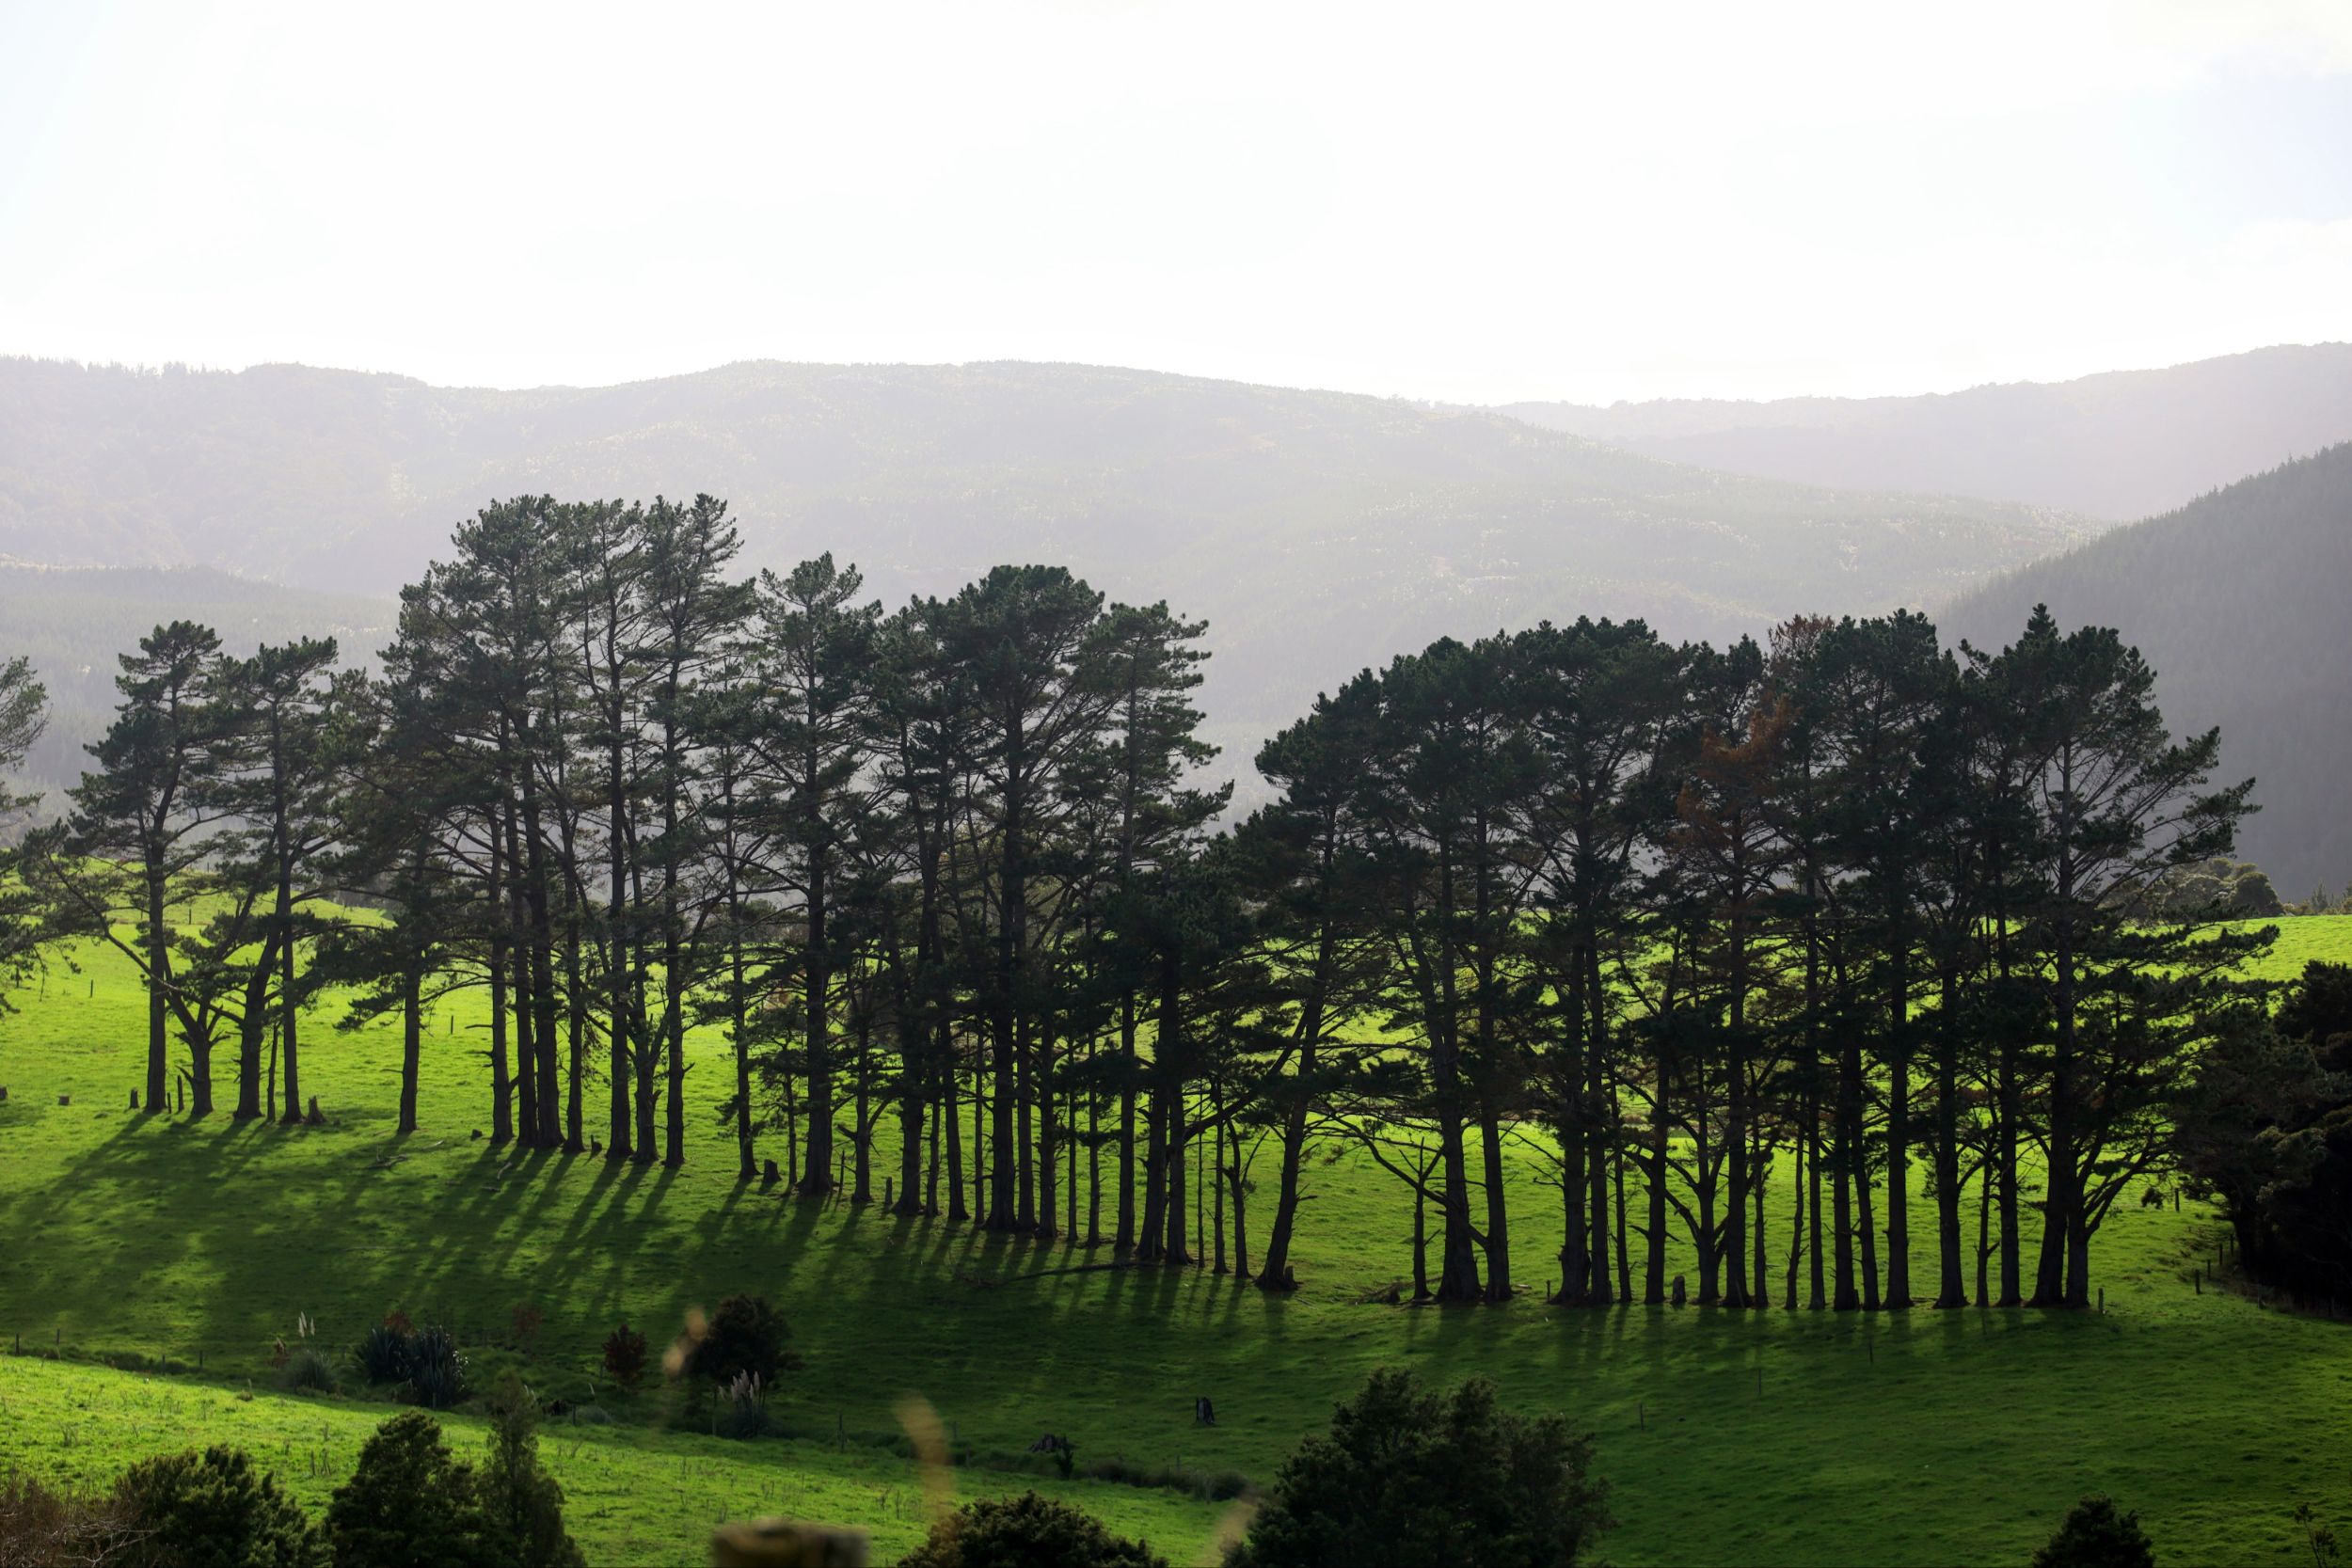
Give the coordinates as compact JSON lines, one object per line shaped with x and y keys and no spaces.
{"x":745,"y":1337}
{"x":522,"y":1505}
{"x":306,"y":1371}
{"x":408,"y":1501}
{"x":1027,"y":1531}
{"x":436,"y":1368}
{"x":383,"y":1354}
{"x":1409,"y":1475}
{"x":2096,"y":1535}
{"x":214,"y":1510}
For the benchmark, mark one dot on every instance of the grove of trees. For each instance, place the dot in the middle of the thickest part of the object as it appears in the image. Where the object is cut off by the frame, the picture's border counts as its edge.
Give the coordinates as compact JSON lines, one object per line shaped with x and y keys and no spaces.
{"x":1799,"y":951}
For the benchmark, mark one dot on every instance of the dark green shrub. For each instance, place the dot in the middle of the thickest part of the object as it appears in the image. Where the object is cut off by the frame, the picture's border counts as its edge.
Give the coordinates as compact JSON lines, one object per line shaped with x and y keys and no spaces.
{"x":307,"y":1370}
{"x":408,"y":1502}
{"x":2095,"y":1535}
{"x":744,"y":1335}
{"x":1410,"y":1475}
{"x":523,"y":1504}
{"x":1027,"y":1531}
{"x":382,"y":1354}
{"x":436,"y":1369}
{"x":625,"y":1355}
{"x":213,"y":1510}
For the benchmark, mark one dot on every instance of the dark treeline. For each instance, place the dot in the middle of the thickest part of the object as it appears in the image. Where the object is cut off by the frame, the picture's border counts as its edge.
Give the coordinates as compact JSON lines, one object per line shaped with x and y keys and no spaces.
{"x":1801,"y":952}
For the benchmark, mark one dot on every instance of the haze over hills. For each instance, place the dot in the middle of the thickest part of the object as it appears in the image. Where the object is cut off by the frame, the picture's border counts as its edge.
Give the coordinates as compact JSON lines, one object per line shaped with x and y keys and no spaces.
{"x":2238,"y":601}
{"x":2125,"y":444}
{"x":1316,"y":531}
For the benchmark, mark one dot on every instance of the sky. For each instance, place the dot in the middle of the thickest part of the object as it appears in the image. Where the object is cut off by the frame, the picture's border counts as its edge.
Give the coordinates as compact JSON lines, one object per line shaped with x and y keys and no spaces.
{"x":1466,"y":203}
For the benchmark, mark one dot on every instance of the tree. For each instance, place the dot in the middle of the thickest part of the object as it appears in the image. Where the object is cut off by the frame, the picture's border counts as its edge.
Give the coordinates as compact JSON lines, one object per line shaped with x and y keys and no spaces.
{"x":2095,"y":1535}
{"x":1410,"y":1475}
{"x":137,"y":829}
{"x":813,"y":677}
{"x":26,"y":921}
{"x":408,"y":1501}
{"x":2116,"y":803}
{"x":1026,"y":1531}
{"x":214,"y":1510}
{"x":522,"y":1505}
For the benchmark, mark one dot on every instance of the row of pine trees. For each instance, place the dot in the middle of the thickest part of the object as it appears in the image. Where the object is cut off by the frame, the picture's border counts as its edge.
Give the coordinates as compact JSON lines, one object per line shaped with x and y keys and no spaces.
{"x":1794,"y":954}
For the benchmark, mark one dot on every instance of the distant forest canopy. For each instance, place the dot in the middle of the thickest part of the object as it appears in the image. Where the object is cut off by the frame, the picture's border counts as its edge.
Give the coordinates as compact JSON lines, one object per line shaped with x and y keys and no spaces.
{"x":1665,"y":914}
{"x":2125,"y":444}
{"x":1317,"y":532}
{"x":2240,"y":598}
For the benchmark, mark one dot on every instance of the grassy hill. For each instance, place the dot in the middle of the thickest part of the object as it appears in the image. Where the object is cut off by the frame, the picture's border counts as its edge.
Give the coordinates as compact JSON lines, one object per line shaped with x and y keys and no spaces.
{"x":2238,"y":601}
{"x":1317,"y":532}
{"x":1779,"y":1438}
{"x":2125,"y":444}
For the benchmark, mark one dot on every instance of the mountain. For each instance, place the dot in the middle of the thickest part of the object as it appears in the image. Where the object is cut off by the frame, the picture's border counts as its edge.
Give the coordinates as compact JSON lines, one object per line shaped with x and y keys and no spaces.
{"x":2126,"y":444}
{"x":1316,"y":531}
{"x":74,"y":621}
{"x":2238,"y":599}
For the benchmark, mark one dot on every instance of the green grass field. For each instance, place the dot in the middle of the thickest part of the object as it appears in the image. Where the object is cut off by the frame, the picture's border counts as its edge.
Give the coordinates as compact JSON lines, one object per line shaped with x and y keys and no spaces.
{"x":1778,"y":1437}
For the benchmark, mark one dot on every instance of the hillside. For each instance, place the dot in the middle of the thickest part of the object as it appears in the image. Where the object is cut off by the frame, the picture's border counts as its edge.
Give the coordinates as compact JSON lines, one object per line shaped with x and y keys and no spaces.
{"x":1317,"y":532}
{"x":74,"y":623}
{"x":1920,"y":1437}
{"x":2126,"y":444}
{"x":2238,"y":601}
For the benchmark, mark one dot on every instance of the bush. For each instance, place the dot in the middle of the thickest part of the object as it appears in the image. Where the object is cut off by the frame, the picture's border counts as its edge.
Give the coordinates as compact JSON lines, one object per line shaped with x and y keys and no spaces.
{"x":742,"y":1408}
{"x":436,"y":1369}
{"x":40,"y":1528}
{"x":213,"y":1510}
{"x":1027,"y":1531}
{"x":744,"y":1335}
{"x":307,"y":1370}
{"x":523,"y":1504}
{"x":1409,"y":1475}
{"x":2094,"y":1535}
{"x":625,"y":1355}
{"x":408,"y":1501}
{"x":383,"y":1353}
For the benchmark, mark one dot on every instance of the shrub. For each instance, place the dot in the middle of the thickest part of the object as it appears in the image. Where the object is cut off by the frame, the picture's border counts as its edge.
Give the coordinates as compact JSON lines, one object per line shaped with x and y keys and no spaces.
{"x":744,"y":1335}
{"x":625,"y":1355}
{"x":742,"y":1410}
{"x":1412,"y":1475}
{"x":436,"y":1369}
{"x":199,"y":1510}
{"x":408,"y":1501}
{"x":308,"y":1371}
{"x":40,"y":1528}
{"x":2094,"y":1535}
{"x":1027,"y":1531}
{"x":383,"y":1353}
{"x":522,"y":1503}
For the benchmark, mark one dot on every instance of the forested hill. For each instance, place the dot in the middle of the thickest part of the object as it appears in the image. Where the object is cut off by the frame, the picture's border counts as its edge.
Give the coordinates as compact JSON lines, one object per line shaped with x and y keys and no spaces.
{"x":2238,"y":601}
{"x":1316,"y":531}
{"x":74,"y":623}
{"x":2126,"y":444}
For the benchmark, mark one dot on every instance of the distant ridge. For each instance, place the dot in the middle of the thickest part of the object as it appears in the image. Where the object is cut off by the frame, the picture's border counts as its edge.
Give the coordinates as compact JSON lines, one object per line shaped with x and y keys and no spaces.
{"x":2122,"y":444}
{"x":1316,"y":531}
{"x":2239,"y":600}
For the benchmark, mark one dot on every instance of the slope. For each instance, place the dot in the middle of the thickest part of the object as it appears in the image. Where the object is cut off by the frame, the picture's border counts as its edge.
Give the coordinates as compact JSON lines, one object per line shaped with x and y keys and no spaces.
{"x":2125,"y":444}
{"x":1317,"y":532}
{"x":2238,"y":601}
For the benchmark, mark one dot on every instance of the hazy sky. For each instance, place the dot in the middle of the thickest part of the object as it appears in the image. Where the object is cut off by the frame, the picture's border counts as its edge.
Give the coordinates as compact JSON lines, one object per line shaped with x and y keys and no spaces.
{"x":1588,"y":201}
